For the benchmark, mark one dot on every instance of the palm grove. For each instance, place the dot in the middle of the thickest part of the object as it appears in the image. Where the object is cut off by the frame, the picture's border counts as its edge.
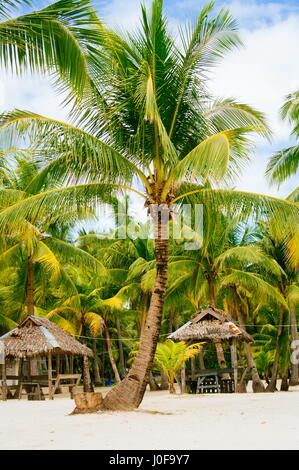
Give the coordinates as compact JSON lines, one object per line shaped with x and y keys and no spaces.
{"x":142,"y":122}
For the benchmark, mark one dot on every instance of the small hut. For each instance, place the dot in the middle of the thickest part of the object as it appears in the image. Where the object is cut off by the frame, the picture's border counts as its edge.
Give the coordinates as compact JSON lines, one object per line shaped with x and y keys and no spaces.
{"x":215,"y":326}
{"x":38,"y":338}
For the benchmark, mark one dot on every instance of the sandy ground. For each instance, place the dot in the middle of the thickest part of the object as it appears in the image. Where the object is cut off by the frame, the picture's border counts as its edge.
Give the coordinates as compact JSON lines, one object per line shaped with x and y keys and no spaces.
{"x":234,"y":421}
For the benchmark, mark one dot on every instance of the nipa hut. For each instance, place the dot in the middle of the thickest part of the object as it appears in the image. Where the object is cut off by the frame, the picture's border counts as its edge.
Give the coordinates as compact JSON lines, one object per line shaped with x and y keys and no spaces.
{"x":37,"y":338}
{"x":215,"y":326}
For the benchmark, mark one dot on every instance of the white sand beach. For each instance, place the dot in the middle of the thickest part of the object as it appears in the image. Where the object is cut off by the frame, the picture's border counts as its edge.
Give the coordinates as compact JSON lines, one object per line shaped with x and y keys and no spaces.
{"x":220,"y":421}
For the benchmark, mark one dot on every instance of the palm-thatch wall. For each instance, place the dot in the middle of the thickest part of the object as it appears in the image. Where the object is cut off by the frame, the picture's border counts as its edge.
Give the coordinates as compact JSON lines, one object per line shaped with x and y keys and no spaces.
{"x":39,"y":337}
{"x":212,"y":325}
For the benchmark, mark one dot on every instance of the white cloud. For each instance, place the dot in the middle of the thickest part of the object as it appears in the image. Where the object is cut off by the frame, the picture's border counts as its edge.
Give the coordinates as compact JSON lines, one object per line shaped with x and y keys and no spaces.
{"x":32,"y":93}
{"x":261,"y":74}
{"x":118,"y":13}
{"x":264,"y":71}
{"x":253,"y":13}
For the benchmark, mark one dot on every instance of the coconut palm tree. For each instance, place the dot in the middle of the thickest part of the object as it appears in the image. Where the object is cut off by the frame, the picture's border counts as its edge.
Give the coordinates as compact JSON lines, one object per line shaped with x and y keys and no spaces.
{"x":285,"y":163}
{"x":76,"y":316}
{"x":43,"y":247}
{"x":226,"y":262}
{"x":284,"y":249}
{"x":272,"y":347}
{"x":146,"y":124}
{"x":48,"y":41}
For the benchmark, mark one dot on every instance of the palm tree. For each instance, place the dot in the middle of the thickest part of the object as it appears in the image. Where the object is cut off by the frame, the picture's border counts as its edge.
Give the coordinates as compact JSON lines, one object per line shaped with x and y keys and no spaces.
{"x":171,"y":357}
{"x":284,"y":250}
{"x":272,"y":347}
{"x":285,"y":163}
{"x":146,"y":124}
{"x":48,"y":40}
{"x":43,"y":247}
{"x":227,"y":258}
{"x":76,"y":316}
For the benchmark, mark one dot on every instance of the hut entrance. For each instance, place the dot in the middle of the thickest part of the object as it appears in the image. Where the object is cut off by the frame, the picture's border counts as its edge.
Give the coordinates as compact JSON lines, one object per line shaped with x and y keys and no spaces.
{"x":215,"y":327}
{"x":38,"y":360}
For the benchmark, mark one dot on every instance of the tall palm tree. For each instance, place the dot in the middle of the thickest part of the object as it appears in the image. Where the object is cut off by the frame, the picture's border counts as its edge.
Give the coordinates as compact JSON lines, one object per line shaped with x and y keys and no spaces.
{"x":146,"y":124}
{"x":285,"y":251}
{"x":227,"y":258}
{"x":76,"y":316}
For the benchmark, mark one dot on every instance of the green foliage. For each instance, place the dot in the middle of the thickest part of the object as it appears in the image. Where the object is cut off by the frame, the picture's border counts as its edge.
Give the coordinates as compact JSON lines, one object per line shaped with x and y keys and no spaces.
{"x":170,"y":357}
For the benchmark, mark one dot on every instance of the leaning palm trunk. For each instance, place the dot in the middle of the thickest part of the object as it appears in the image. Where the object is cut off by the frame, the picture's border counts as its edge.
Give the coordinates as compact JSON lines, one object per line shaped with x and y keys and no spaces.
{"x":129,"y":393}
{"x":121,"y":349}
{"x":219,"y":348}
{"x":257,"y":384}
{"x":272,"y":385}
{"x":274,"y":373}
{"x":294,"y":379}
{"x":111,"y":357}
{"x":284,"y":383}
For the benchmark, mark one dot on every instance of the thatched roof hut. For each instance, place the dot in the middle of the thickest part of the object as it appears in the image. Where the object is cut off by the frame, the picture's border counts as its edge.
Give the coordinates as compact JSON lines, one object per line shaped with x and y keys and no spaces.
{"x":213,"y":325}
{"x":38,"y":337}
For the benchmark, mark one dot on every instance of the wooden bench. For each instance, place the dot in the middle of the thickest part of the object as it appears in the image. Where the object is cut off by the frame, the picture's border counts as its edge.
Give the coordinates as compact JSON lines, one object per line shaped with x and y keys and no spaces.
{"x":211,"y":381}
{"x":62,"y":377}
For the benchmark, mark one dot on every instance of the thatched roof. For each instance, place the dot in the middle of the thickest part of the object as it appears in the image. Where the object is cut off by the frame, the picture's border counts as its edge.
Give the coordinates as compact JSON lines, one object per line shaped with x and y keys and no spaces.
{"x":211,"y":324}
{"x":37,"y":337}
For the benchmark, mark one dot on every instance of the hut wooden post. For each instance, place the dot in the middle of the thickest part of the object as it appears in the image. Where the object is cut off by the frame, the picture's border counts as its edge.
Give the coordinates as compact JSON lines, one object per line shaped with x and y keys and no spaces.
{"x":50,"y":376}
{"x":58,"y":364}
{"x":233,"y":351}
{"x":20,"y":378}
{"x":4,"y":382}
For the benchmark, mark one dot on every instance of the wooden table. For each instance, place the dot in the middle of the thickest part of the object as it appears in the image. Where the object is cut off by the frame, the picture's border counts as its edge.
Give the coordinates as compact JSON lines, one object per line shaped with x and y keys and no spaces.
{"x":36,"y":383}
{"x":216,"y":382}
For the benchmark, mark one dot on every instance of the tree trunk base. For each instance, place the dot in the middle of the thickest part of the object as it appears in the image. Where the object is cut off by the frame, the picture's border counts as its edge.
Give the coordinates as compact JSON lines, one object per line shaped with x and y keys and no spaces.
{"x":152,"y":383}
{"x":271,"y":388}
{"x":164,"y":382}
{"x":257,"y":386}
{"x":88,"y":402}
{"x":241,"y":387}
{"x":97,"y":383}
{"x":284,"y":384}
{"x":125,"y":396}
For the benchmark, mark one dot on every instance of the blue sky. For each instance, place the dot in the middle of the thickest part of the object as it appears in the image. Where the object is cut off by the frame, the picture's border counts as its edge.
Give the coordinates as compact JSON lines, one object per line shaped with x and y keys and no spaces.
{"x":262,"y":73}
